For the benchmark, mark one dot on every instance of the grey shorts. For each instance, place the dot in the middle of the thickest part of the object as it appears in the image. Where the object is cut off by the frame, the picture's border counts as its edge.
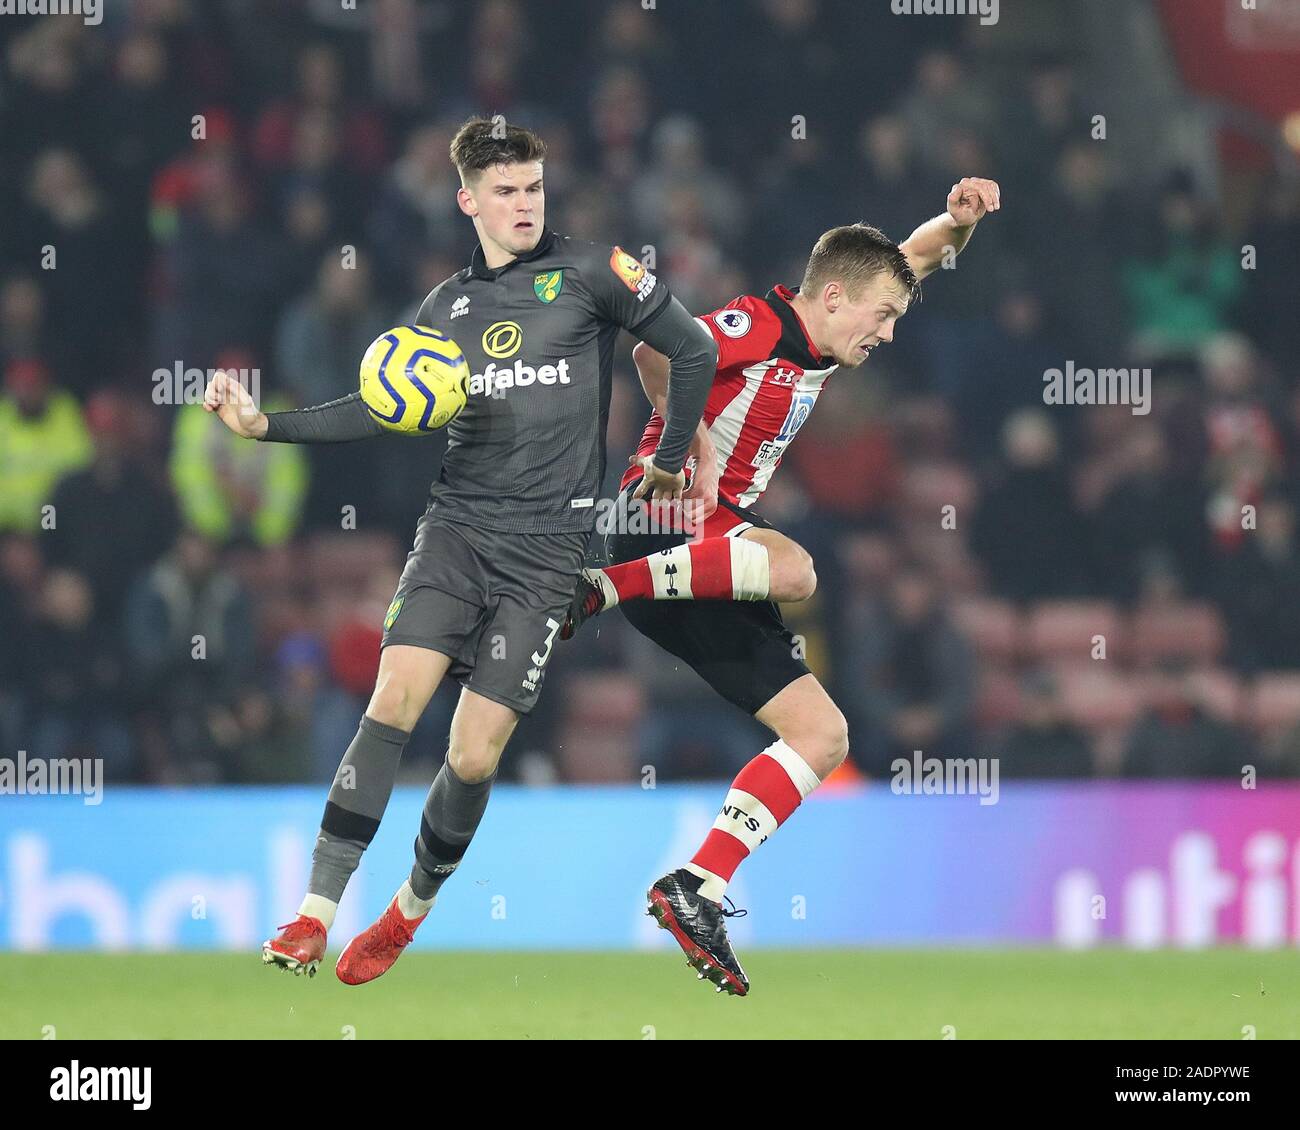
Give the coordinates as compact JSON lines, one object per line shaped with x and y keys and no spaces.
{"x":492,"y":601}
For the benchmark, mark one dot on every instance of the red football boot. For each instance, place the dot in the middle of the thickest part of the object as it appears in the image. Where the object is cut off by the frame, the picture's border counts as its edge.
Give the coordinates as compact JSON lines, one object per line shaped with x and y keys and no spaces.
{"x":299,"y":948}
{"x":372,"y":952}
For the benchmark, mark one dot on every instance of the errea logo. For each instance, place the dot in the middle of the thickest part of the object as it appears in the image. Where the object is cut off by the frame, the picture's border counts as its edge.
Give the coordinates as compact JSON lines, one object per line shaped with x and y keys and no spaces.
{"x":459,"y":307}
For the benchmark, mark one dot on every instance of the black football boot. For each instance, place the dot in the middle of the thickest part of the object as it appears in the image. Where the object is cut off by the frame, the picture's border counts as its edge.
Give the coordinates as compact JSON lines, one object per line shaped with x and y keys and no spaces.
{"x":700,"y":927}
{"x":588,"y":600}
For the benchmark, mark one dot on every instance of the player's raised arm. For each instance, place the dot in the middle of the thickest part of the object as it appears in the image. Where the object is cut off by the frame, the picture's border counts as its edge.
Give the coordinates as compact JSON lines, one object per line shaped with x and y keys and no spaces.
{"x":969,"y":201}
{"x":336,"y":422}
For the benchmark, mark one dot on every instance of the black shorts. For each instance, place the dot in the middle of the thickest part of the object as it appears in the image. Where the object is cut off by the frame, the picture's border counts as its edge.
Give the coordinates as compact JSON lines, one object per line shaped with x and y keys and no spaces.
{"x":492,"y":601}
{"x":741,"y":648}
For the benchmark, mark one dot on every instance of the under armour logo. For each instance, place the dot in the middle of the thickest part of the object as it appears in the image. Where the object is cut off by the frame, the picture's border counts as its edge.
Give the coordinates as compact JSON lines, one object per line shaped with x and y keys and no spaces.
{"x":670,"y":571}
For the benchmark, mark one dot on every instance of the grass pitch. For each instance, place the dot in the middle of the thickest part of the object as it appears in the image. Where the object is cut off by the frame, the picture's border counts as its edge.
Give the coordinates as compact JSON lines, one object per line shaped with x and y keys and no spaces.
{"x":891,"y":994}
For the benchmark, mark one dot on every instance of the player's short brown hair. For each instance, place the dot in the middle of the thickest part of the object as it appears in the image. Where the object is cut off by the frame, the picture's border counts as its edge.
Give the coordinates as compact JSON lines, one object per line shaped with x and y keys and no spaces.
{"x":483,"y":142}
{"x":854,"y":254}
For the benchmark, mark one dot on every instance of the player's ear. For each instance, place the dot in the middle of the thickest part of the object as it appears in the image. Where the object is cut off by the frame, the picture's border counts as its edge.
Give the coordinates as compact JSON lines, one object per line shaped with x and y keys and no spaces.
{"x":465,"y":199}
{"x":832,"y":295}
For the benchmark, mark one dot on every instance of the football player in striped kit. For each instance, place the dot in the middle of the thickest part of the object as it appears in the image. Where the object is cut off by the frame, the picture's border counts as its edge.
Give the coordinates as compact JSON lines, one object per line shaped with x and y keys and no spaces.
{"x":709,"y":590}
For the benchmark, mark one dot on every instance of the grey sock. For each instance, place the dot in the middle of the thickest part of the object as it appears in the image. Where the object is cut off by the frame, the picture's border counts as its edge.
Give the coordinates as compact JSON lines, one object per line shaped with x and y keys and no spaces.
{"x":355,"y":806}
{"x":451,"y":815}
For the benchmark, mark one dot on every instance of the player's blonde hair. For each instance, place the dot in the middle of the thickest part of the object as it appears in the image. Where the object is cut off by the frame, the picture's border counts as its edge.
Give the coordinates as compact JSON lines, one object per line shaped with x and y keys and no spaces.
{"x":853,"y":255}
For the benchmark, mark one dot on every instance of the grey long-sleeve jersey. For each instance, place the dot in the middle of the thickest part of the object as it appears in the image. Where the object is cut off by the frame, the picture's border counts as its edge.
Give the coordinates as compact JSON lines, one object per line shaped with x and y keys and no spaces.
{"x":527,"y":454}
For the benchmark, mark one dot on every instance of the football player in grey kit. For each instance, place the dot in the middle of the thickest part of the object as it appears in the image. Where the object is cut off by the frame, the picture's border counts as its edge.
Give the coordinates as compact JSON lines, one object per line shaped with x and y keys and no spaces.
{"x":500,"y":547}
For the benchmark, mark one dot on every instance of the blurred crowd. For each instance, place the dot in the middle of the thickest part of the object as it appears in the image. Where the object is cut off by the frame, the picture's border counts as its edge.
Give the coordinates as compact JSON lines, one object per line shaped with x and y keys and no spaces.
{"x":1079,"y":590}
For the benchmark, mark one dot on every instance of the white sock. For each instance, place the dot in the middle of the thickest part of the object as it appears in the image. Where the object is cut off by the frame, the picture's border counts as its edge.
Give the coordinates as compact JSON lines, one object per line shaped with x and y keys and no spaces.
{"x":713,"y":887}
{"x":318,"y":906}
{"x":410,"y":904}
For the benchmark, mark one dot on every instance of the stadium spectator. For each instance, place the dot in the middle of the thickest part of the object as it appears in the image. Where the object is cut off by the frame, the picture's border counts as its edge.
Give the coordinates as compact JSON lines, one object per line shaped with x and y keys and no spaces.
{"x":230,"y":491}
{"x":190,"y":640}
{"x":678,"y":162}
{"x":76,"y":673}
{"x":914,"y":675}
{"x":42,"y":437}
{"x":1026,"y":532}
{"x":1176,"y":737}
{"x":945,"y":100}
{"x":1089,"y":224}
{"x":889,"y":179}
{"x":113,"y":519}
{"x":22,"y":574}
{"x":1043,"y":743}
{"x":322,"y":335}
{"x":22,"y":320}
{"x":221,"y":274}
{"x":318,"y":123}
{"x":1258,"y":587}
{"x":1148,"y":517}
{"x":415,"y":212}
{"x":1185,"y":283}
{"x":1244,"y":454}
{"x":86,"y":278}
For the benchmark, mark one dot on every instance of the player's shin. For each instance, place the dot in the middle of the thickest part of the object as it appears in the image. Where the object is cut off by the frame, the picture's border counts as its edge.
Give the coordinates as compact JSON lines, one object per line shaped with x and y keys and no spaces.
{"x":355,"y":806}
{"x":761,"y":799}
{"x":712,"y":569}
{"x":451,"y":816}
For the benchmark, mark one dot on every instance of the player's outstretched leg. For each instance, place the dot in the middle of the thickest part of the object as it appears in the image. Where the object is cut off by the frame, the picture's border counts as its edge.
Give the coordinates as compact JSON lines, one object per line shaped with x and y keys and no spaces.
{"x":718,"y":568}
{"x":813,"y":740}
{"x":764,"y":565}
{"x":407,"y":679}
{"x":456,"y":802}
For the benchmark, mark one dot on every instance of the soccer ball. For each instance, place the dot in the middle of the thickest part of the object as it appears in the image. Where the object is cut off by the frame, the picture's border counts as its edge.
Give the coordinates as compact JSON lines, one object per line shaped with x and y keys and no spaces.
{"x":414,"y":380}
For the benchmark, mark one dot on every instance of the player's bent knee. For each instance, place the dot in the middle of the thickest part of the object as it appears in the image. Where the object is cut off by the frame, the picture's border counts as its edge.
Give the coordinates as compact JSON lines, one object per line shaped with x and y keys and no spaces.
{"x":476,"y":762}
{"x":837,"y":740}
{"x":807,"y":582}
{"x":822,"y":740}
{"x":793,"y":577}
{"x":395,"y":702}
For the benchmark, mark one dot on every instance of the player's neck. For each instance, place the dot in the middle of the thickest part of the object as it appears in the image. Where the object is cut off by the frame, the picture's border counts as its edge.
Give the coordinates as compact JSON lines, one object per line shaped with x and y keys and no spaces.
{"x":495,"y":256}
{"x":809,"y":315}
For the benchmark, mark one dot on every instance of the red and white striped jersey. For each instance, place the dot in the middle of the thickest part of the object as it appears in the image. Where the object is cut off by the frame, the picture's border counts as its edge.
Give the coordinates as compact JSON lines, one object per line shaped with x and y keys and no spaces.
{"x":768,"y":378}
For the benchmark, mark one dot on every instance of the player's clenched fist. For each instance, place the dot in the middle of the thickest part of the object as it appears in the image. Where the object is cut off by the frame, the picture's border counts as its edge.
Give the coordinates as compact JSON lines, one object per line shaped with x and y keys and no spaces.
{"x":231,"y":401}
{"x":971,"y":197}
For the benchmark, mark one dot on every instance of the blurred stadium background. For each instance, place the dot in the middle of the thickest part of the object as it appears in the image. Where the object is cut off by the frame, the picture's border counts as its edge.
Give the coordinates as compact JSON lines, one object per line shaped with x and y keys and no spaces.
{"x":1171,"y":243}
